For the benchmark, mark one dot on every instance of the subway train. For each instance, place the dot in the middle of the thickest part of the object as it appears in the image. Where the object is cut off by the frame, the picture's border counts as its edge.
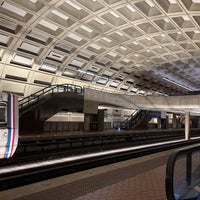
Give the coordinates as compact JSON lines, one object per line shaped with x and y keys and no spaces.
{"x":9,"y":123}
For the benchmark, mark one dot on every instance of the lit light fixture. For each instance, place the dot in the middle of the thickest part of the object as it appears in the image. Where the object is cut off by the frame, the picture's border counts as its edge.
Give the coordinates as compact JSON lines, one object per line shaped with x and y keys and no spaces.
{"x":178,"y":84}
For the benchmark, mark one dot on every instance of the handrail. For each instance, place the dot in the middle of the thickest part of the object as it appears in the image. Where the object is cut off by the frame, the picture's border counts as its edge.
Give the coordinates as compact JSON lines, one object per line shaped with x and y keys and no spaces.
{"x":37,"y":96}
{"x":169,"y":179}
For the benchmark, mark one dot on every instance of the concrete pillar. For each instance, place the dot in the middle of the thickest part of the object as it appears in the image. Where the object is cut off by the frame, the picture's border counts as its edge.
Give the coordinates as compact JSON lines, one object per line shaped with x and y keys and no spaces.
{"x":100,"y":120}
{"x":174,"y":123}
{"x":86,"y":122}
{"x":187,"y":125}
{"x":163,"y":116}
{"x":159,"y":123}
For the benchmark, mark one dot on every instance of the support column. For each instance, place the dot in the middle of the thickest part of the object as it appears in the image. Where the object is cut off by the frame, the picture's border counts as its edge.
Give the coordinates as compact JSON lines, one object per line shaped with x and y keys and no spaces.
{"x":158,"y":123}
{"x":86,"y":122}
{"x":174,"y":123}
{"x":187,"y":125}
{"x":100,"y":120}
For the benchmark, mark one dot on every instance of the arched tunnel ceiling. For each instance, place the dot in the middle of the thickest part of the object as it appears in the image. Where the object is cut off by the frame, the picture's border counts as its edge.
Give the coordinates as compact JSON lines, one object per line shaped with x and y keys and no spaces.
{"x":137,"y":46}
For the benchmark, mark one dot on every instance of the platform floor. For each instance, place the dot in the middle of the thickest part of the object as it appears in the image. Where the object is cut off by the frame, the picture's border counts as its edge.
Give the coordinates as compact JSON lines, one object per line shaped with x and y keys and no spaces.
{"x":135,"y":179}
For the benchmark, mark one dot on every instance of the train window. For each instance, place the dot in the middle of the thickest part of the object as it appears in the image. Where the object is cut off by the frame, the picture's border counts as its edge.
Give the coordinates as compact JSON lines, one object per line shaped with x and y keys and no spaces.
{"x":3,"y":114}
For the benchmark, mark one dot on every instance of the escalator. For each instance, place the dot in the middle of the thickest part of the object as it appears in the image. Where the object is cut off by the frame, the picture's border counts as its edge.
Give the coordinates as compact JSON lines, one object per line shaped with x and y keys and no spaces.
{"x":138,"y":119}
{"x":183,"y":174}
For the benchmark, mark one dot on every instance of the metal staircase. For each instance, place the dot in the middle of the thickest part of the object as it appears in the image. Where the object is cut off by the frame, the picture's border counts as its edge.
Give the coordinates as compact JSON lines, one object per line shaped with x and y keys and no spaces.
{"x":44,"y":94}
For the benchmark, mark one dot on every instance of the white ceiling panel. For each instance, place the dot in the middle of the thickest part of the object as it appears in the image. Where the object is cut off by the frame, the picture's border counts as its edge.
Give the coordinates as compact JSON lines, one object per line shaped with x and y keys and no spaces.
{"x":113,"y":42}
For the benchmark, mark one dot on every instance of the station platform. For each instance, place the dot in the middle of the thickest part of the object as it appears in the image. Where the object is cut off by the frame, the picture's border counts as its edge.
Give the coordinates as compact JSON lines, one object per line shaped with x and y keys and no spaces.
{"x":140,"y":178}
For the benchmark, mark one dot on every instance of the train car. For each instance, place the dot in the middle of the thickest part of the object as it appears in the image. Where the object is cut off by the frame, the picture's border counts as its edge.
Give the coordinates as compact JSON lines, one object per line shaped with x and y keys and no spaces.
{"x":9,"y":123}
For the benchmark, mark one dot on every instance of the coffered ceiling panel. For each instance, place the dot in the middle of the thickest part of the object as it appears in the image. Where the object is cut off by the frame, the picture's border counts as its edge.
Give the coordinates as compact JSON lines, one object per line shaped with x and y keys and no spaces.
{"x":146,"y":47}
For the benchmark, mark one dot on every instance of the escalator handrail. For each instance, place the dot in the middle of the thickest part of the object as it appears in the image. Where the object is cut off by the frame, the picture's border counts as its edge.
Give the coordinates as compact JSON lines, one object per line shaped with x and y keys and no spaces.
{"x":169,"y":186}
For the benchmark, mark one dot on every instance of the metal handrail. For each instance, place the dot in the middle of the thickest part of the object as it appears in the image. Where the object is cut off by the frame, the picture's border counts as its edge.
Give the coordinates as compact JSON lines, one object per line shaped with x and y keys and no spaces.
{"x":169,"y":184}
{"x":53,"y":89}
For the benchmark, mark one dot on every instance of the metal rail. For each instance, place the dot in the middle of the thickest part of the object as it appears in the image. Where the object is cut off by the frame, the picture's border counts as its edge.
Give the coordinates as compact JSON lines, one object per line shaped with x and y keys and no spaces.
{"x":183,"y":174}
{"x":45,"y":93}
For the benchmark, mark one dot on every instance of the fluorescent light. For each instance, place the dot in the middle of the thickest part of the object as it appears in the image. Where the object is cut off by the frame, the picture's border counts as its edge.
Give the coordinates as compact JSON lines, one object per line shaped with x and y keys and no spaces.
{"x":178,"y":84}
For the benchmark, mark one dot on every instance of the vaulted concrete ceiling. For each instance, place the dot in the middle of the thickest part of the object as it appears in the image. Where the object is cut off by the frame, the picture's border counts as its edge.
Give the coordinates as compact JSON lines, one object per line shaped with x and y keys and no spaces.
{"x":132,"y":46}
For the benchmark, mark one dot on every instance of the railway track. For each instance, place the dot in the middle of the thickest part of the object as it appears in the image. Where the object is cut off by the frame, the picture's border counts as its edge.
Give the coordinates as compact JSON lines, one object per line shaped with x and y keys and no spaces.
{"x":22,"y":174}
{"x":44,"y":148}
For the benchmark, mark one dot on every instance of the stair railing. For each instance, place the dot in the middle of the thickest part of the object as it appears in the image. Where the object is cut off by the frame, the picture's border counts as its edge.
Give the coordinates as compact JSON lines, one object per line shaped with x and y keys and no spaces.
{"x":48,"y":91}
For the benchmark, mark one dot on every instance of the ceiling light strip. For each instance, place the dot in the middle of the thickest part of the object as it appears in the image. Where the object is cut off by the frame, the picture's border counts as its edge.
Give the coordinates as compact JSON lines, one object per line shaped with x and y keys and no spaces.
{"x":178,"y":84}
